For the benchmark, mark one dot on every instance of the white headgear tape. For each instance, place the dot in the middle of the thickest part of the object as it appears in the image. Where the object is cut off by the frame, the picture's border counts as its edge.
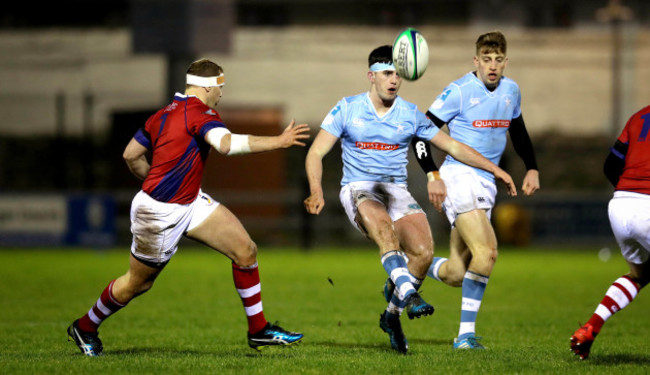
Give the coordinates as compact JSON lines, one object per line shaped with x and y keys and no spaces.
{"x":238,"y":142}
{"x":216,"y":81}
{"x":214,"y":137}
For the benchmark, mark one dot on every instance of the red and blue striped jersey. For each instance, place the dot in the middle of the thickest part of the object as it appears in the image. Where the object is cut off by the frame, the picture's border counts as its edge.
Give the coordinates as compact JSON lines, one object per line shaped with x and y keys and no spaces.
{"x":176,"y":137}
{"x":636,"y":134}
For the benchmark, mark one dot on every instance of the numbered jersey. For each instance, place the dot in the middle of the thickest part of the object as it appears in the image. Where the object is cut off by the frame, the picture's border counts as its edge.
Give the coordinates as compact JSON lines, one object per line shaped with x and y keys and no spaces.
{"x":375,"y":147}
{"x":478,"y":117}
{"x":636,"y":135}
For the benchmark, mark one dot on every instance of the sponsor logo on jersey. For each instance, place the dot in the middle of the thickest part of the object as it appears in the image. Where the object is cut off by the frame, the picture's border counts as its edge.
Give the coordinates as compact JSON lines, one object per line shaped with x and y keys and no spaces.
{"x":171,"y":107}
{"x":474,"y":101}
{"x":375,"y":146}
{"x":210,"y":112}
{"x":491,"y":123}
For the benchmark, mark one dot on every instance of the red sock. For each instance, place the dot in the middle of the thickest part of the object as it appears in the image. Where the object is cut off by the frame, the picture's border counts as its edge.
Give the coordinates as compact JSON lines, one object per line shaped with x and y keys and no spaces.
{"x":247,"y":282}
{"x":105,"y":306}
{"x":618,"y":296}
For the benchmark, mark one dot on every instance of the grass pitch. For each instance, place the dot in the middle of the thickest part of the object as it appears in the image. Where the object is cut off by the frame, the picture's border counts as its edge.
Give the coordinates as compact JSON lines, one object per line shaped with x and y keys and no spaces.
{"x":192,"y":320}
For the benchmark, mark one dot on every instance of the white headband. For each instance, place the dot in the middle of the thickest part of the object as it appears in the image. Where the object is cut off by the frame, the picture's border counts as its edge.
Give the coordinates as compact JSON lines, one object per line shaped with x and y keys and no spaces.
{"x":217,"y":81}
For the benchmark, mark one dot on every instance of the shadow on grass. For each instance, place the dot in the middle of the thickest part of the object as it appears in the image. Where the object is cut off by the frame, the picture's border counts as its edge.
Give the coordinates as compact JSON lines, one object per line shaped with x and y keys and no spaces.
{"x":618,"y":359}
{"x":374,"y":346}
{"x":284,"y":351}
{"x":157,"y":351}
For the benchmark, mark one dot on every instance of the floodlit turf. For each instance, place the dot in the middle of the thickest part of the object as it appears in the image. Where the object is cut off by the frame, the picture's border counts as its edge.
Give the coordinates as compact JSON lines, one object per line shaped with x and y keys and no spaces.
{"x":192,"y":320}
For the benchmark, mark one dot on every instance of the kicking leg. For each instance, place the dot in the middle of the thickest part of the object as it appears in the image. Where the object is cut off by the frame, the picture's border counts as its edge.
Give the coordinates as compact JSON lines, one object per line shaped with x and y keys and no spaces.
{"x":452,"y":270}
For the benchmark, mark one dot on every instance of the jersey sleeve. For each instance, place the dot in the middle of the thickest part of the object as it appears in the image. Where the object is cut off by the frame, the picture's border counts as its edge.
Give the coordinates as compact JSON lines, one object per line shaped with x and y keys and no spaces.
{"x":143,"y":135}
{"x":517,"y":112}
{"x":334,"y":121}
{"x":143,"y":138}
{"x":204,"y":123}
{"x":205,"y":128}
{"x":625,"y":136}
{"x":447,"y":105}
{"x":425,"y":128}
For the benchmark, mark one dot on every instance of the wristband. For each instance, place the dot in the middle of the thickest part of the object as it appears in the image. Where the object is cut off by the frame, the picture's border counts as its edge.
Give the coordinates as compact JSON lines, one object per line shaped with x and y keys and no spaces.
{"x":433,"y":176}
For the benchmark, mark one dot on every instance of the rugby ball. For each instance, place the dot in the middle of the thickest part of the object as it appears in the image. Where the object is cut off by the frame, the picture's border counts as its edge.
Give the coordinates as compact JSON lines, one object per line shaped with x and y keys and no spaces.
{"x":410,"y":54}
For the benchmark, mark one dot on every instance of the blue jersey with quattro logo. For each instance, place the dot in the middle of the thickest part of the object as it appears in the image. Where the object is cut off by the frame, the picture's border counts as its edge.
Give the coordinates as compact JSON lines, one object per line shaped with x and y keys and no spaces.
{"x":375,"y":147}
{"x":477,"y":116}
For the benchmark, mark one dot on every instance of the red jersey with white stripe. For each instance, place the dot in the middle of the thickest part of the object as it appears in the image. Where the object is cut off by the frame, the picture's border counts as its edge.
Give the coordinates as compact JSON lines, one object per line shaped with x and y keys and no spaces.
{"x":636,"y":134}
{"x":176,"y":137}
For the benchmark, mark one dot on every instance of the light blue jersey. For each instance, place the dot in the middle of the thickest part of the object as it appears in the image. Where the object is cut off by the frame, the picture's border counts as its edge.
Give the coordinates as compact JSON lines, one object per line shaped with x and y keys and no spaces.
{"x":477,"y":116}
{"x":375,"y":147}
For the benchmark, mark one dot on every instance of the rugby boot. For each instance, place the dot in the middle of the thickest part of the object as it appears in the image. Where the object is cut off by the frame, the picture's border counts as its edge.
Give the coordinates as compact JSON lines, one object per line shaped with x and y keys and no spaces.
{"x":581,"y":341}
{"x":88,"y":342}
{"x":470,"y":343}
{"x":390,"y":324}
{"x":417,"y":307}
{"x":273,"y":335}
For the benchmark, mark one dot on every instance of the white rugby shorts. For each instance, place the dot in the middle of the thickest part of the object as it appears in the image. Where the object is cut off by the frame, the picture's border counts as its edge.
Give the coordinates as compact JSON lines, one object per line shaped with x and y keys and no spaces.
{"x":395,"y":197}
{"x":466,"y":191}
{"x":629,"y":215}
{"x":157,"y":227}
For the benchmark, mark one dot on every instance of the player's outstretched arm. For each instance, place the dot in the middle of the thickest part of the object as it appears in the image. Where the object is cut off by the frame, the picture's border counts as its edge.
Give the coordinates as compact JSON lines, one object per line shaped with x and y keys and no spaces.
{"x":134,"y":156}
{"x":471,"y":157}
{"x":239,"y":144}
{"x":293,"y":135}
{"x":314,"y":168}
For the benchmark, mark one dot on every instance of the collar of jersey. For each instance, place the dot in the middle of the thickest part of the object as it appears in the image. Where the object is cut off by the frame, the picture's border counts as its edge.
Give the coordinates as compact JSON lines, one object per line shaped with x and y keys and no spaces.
{"x":374,"y":110}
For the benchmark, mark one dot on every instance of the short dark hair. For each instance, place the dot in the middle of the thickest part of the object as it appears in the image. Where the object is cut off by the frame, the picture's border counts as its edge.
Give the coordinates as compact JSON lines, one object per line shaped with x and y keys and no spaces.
{"x":204,"y":68}
{"x":493,"y":41}
{"x":381,"y":54}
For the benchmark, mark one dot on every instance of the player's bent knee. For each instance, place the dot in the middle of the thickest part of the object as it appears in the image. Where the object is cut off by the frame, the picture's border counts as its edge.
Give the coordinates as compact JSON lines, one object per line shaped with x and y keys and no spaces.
{"x":455,"y":279}
{"x":487,"y":256}
{"x":246,"y":255}
{"x":142,"y":288}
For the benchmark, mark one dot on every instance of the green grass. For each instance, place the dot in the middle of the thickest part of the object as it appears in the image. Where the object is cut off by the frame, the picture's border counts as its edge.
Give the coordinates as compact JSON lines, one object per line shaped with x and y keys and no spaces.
{"x":192,"y":320}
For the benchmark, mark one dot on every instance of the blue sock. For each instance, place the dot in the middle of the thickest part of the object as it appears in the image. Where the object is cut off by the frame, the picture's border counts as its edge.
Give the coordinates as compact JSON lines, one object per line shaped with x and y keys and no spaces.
{"x":434,"y":269}
{"x":395,"y":265}
{"x":473,"y":290}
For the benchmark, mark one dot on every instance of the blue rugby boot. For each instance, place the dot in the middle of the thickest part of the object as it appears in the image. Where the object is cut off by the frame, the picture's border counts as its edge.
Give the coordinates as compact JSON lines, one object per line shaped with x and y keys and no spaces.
{"x":417,"y":307}
{"x":390,"y":324}
{"x":470,"y":342}
{"x":273,"y":335}
{"x":389,"y":289}
{"x":88,"y":342}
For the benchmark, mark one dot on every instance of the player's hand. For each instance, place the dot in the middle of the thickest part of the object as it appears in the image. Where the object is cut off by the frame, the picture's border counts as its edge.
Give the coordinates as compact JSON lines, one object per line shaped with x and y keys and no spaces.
{"x":502,"y":175}
{"x":293,"y":135}
{"x":437,"y":193}
{"x":314,"y":204}
{"x":531,"y":182}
